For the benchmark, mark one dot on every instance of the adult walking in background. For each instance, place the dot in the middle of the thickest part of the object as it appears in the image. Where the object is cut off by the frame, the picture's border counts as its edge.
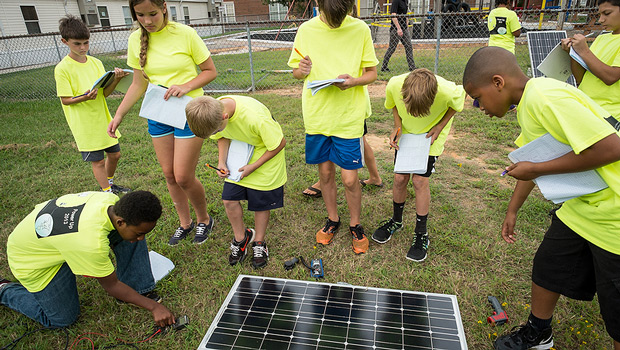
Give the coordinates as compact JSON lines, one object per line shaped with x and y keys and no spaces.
{"x":399,"y":31}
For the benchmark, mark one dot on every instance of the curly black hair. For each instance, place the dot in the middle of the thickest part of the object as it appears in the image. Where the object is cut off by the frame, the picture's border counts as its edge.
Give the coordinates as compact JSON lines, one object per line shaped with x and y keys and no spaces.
{"x":137,"y":207}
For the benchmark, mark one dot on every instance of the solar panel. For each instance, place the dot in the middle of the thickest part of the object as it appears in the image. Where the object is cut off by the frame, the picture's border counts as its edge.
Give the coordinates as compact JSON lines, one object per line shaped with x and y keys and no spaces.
{"x":540,"y":44}
{"x":273,"y":314}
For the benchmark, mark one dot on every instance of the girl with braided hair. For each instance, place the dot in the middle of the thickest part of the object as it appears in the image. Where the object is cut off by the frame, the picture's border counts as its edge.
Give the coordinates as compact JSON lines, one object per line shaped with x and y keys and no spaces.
{"x":166,"y":53}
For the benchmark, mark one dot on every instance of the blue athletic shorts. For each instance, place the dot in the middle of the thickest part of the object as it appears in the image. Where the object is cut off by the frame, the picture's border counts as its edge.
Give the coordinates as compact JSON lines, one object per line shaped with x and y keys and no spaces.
{"x":157,"y":129}
{"x":95,"y":156}
{"x":257,"y":200}
{"x":346,"y":153}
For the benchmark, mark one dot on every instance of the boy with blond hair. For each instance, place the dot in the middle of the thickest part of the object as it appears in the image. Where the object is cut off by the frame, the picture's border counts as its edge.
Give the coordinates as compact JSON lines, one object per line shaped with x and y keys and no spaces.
{"x":86,"y":111}
{"x":262,"y":181}
{"x":580,"y":253}
{"x":421,"y":102}
{"x":336,"y":45}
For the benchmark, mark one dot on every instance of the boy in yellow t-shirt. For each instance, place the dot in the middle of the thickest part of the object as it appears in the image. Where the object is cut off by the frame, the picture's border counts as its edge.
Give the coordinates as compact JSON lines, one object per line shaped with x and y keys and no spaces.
{"x":601,"y":80}
{"x":86,"y":111}
{"x":504,"y":26}
{"x":421,"y":102}
{"x":262,"y":180}
{"x":336,"y":45}
{"x":580,"y":253}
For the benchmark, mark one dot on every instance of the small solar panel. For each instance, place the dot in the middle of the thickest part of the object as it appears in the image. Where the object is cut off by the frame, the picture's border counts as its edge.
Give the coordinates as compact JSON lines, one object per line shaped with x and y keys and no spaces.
{"x":540,"y":44}
{"x":273,"y":314}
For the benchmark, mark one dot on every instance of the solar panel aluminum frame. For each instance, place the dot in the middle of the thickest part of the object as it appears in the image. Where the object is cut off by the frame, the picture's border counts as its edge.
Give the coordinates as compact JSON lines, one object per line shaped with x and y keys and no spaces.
{"x":234,"y":289}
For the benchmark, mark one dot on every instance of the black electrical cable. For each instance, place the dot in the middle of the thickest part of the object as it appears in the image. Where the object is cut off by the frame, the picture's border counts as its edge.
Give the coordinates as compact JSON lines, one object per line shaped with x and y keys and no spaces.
{"x":14,"y":342}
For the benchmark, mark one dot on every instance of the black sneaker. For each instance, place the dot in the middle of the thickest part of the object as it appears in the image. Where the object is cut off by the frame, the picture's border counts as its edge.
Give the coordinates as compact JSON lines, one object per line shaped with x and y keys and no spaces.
{"x":203,"y":231}
{"x":151,"y":295}
{"x":116,"y":189}
{"x":419,"y":247}
{"x":180,"y":234}
{"x":261,"y":255}
{"x":238,"y":250}
{"x":386,"y":230}
{"x":525,"y":337}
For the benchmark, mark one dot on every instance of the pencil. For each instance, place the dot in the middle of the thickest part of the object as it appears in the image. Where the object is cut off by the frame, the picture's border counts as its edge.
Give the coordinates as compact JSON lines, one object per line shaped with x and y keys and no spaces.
{"x":299,"y":53}
{"x":395,"y":136}
{"x":212,"y":167}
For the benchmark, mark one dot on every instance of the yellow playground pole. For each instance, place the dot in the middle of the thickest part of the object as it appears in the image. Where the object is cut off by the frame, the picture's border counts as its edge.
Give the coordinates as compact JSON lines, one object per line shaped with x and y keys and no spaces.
{"x":541,"y":14}
{"x":358,"y":8}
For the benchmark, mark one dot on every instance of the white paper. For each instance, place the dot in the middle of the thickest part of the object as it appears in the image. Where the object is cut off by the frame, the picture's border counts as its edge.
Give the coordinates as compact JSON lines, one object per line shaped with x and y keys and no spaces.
{"x":578,"y":58}
{"x":239,"y":155}
{"x":160,"y":265}
{"x":558,"y":187}
{"x":412,"y":156}
{"x":557,"y":64}
{"x":171,"y":112}
{"x":317,"y":85}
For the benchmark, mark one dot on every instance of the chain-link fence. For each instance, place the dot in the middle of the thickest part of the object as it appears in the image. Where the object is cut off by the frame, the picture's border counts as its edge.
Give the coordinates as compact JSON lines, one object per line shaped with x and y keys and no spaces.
{"x":252,"y":56}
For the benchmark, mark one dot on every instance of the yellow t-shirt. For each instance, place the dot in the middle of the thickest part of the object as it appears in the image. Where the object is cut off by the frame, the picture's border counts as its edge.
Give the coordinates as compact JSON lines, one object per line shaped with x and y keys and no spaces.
{"x":449,"y":95}
{"x":87,"y":120}
{"x":172,"y":56}
{"x":571,"y":117}
{"x":252,"y":123}
{"x":501,"y":23}
{"x":606,"y":48}
{"x":73,"y":228}
{"x":347,"y":49}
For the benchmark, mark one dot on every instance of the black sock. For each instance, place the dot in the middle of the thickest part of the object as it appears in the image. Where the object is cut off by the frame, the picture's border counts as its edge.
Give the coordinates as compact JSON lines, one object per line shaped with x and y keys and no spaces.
{"x":420,"y":223}
{"x":538,"y":323}
{"x":398,"y":211}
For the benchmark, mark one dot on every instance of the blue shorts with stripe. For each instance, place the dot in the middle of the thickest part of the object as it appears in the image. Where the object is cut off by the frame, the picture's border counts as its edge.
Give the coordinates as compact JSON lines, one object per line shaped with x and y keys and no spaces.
{"x":346,"y":153}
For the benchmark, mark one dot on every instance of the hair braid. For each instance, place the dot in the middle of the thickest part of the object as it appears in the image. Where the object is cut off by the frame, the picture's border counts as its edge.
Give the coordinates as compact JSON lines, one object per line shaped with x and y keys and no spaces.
{"x":144,"y":46}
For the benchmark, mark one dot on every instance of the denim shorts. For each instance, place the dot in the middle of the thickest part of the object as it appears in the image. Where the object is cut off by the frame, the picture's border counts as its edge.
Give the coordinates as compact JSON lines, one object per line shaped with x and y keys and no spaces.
{"x":157,"y":129}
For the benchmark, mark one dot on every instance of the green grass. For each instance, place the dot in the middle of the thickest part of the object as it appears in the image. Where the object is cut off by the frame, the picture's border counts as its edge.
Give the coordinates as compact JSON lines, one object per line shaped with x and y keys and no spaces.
{"x":467,"y":256}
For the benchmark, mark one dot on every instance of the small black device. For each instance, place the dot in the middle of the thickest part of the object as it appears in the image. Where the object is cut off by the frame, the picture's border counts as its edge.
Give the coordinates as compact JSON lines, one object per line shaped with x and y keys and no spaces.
{"x":289,"y":264}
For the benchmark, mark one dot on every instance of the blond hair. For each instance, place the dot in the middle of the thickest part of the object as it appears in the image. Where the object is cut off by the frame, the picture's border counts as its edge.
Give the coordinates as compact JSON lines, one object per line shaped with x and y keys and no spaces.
{"x":419,"y":91}
{"x":204,"y":115}
{"x":144,"y":34}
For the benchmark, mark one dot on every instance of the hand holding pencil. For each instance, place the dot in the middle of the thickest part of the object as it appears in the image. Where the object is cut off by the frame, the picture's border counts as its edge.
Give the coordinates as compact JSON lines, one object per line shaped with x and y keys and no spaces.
{"x":394,"y":139}
{"x":221,"y":171}
{"x":305,"y":64}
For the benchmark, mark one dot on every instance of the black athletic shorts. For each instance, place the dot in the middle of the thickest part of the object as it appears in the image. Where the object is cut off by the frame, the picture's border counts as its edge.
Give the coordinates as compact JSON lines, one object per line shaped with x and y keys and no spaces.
{"x":568,"y":264}
{"x":257,"y":200}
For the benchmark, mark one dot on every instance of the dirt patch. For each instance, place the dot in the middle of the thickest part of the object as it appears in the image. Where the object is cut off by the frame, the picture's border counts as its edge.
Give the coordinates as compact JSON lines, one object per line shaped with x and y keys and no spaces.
{"x":13,"y":146}
{"x":378,"y":143}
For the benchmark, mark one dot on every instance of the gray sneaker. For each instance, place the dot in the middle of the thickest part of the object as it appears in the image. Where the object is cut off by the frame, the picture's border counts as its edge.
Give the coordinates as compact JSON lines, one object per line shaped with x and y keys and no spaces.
{"x":386,"y":230}
{"x":203,"y":231}
{"x":116,"y":189}
{"x":261,"y":255}
{"x":180,"y":233}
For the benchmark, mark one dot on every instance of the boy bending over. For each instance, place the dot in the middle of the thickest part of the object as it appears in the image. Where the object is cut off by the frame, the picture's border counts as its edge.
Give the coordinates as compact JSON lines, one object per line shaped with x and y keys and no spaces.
{"x":580,"y":253}
{"x":262,"y":181}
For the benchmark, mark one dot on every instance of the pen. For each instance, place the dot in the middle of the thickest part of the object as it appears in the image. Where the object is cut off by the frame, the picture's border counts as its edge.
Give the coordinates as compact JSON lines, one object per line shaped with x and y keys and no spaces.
{"x":504,"y":172}
{"x":299,"y":53}
{"x":212,"y":167}
{"x":395,"y":136}
{"x":165,"y":87}
{"x":84,"y":94}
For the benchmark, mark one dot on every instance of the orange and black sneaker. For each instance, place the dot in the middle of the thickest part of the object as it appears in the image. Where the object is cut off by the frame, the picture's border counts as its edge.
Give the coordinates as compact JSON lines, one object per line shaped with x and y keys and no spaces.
{"x":325,"y":235}
{"x":360,"y":242}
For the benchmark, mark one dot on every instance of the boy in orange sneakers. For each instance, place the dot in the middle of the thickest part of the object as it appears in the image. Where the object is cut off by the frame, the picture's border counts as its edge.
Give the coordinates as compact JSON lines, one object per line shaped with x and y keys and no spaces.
{"x":336,"y":45}
{"x":421,"y":102}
